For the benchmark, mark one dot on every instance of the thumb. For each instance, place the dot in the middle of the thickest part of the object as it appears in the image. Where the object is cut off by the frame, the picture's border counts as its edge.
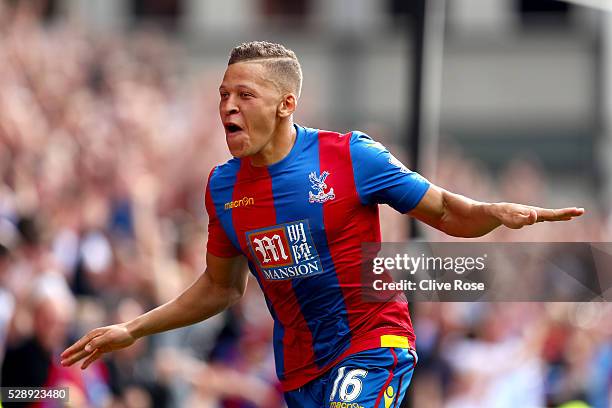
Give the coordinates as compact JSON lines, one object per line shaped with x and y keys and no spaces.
{"x":527,"y":216}
{"x":533,"y":216}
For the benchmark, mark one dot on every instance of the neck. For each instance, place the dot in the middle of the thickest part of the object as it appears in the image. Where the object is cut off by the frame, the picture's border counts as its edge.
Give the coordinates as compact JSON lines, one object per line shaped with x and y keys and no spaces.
{"x":279,"y":146}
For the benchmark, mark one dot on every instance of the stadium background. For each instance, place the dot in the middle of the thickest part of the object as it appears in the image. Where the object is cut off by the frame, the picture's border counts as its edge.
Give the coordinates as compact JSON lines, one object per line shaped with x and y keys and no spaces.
{"x":109,"y":126}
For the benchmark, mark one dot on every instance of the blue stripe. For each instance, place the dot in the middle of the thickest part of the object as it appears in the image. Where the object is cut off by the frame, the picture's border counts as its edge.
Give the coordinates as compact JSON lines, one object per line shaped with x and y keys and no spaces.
{"x":279,"y":331}
{"x":320,"y":297}
{"x":279,"y":334}
{"x":222,"y":184}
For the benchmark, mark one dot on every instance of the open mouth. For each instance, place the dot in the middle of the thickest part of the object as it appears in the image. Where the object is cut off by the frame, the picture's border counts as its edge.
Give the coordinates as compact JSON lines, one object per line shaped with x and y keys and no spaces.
{"x":232,"y":128}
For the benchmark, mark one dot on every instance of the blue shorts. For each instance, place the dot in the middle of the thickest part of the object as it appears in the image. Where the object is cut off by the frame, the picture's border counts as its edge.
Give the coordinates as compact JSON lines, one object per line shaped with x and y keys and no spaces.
{"x":369,"y":379}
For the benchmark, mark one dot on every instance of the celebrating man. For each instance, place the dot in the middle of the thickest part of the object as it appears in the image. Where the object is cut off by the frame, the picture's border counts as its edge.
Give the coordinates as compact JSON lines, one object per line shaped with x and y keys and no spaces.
{"x":296,"y":204}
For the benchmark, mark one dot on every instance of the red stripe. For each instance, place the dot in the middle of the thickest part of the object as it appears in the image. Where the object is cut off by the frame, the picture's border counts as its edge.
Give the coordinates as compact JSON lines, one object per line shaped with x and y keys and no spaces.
{"x":384,"y":388}
{"x":210,"y":207}
{"x":256,"y":182}
{"x":367,"y":341}
{"x":399,"y":390}
{"x":347,"y":222}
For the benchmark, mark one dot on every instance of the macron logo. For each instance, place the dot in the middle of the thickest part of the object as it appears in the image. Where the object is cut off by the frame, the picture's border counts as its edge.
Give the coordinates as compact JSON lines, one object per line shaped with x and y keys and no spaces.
{"x":243,"y":202}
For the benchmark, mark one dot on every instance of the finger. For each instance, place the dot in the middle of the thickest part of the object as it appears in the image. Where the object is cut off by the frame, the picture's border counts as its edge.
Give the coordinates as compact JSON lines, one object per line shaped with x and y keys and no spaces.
{"x":66,"y":362}
{"x":575,"y":212}
{"x":96,"y":343}
{"x":560,"y":214}
{"x":567,"y":218}
{"x":547,"y":214}
{"x":96,"y":355}
{"x":569,"y":212}
{"x":75,"y":347}
{"x":80,"y":344}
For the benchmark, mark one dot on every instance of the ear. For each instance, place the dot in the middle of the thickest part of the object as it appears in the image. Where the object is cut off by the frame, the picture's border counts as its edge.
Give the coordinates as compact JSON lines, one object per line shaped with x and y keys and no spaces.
{"x":287,"y":106}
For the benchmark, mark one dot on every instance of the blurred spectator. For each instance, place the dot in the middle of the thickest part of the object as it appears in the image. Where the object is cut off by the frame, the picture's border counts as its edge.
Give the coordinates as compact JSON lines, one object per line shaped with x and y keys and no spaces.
{"x":33,"y":361}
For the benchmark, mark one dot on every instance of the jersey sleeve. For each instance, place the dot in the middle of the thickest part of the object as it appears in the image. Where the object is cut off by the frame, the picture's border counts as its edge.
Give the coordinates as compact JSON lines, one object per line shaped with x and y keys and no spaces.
{"x":218,"y":243}
{"x":381,"y":178}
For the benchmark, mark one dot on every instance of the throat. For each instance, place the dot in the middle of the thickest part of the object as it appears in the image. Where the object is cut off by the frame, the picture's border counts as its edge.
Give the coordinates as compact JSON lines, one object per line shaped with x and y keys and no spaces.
{"x":276,"y":150}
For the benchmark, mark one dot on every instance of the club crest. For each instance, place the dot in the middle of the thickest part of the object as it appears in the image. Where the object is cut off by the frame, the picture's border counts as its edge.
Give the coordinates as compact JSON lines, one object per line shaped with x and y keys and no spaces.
{"x":319,"y":187}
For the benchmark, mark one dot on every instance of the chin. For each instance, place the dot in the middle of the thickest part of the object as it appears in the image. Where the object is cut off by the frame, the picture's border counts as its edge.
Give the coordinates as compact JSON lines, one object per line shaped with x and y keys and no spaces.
{"x":239,"y":153}
{"x":238,"y":150}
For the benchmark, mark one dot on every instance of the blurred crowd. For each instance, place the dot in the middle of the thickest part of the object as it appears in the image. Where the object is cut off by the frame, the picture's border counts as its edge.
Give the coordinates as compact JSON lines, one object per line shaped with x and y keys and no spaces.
{"x":105,"y":146}
{"x":515,"y":354}
{"x":105,"y":149}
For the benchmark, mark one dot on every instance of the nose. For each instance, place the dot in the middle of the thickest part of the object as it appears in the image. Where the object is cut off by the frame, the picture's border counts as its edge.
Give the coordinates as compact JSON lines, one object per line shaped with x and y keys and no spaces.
{"x":228,"y":106}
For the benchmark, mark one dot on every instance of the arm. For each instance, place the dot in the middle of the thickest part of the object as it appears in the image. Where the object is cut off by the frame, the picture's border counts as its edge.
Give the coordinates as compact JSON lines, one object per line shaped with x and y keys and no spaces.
{"x":221,"y":285}
{"x":460,"y":216}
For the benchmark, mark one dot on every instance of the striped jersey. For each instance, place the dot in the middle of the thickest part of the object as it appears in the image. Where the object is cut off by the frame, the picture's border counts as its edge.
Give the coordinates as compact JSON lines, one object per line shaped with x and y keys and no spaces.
{"x":301,"y":222}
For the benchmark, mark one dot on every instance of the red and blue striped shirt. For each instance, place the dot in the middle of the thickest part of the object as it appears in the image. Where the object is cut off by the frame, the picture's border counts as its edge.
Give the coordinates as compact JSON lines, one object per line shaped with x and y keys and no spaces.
{"x":301,"y":222}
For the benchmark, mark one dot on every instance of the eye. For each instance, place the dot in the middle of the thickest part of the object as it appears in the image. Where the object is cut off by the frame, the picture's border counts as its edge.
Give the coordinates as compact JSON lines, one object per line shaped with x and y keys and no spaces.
{"x":245,"y":95}
{"x":223,"y":95}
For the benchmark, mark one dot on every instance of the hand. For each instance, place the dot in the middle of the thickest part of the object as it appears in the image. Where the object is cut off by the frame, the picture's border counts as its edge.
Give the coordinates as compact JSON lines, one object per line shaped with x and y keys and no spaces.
{"x":518,"y":215}
{"x":97,"y":342}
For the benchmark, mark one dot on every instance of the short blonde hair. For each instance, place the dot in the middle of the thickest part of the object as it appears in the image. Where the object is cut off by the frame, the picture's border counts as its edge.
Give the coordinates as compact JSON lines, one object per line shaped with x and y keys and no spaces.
{"x":280,"y":61}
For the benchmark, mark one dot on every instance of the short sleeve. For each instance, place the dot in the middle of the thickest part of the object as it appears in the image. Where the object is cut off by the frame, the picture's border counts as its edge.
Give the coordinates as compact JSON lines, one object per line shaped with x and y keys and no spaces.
{"x":381,"y":178}
{"x":219,"y":243}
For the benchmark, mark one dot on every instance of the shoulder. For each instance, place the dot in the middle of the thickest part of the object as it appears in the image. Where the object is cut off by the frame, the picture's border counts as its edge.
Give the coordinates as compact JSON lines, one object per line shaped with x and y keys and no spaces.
{"x":363,"y":145}
{"x":328,"y":138}
{"x":364,"y":149}
{"x":309,"y":131}
{"x":362,"y":140}
{"x":355,"y":143}
{"x":224,"y":174}
{"x":352,"y":138}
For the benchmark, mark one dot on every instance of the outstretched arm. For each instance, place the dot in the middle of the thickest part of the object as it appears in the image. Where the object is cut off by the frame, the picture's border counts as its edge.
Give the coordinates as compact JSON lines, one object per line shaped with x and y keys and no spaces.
{"x":221,"y":285}
{"x":460,"y":216}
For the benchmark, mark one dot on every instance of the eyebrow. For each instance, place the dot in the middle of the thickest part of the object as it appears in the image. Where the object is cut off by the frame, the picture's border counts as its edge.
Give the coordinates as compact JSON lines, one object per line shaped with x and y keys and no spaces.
{"x":239,"y":86}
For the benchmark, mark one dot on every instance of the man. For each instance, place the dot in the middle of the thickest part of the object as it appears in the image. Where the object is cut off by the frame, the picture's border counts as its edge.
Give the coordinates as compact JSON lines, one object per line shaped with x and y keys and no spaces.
{"x":295,"y":204}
